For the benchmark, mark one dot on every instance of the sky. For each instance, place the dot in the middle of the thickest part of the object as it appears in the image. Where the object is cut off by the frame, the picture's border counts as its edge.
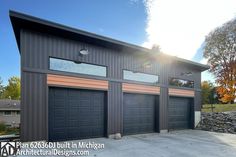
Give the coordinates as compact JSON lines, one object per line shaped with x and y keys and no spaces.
{"x":179,"y":27}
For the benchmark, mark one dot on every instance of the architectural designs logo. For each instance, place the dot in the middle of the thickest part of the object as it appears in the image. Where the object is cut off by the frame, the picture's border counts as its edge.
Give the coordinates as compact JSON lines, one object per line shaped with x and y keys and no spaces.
{"x":8,"y":148}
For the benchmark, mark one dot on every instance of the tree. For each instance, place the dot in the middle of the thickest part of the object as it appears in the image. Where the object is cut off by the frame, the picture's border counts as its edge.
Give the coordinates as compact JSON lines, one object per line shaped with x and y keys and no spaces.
{"x":228,"y":91}
{"x":220,"y":50}
{"x":12,"y":90}
{"x":1,"y":88}
{"x":215,"y":96}
{"x":208,"y":92}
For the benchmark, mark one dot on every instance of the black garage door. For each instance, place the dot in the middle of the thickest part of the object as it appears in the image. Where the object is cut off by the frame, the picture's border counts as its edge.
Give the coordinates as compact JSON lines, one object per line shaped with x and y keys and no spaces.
{"x":75,"y":114}
{"x":139,"y":113}
{"x":179,"y":113}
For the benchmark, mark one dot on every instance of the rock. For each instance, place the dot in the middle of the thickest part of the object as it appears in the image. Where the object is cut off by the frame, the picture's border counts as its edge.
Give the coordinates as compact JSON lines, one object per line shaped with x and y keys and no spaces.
{"x":218,"y":122}
{"x":117,"y":136}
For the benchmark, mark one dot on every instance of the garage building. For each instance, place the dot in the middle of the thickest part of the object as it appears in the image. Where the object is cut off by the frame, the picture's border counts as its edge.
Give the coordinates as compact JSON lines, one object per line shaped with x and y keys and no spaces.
{"x":78,"y":85}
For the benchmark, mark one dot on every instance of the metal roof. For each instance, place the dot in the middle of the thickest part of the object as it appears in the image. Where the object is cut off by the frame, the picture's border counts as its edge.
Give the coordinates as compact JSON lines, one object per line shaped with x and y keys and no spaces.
{"x":20,"y":20}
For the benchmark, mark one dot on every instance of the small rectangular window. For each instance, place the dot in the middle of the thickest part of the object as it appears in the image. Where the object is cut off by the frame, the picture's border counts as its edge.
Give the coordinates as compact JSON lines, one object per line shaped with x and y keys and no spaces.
{"x":141,"y":77}
{"x":181,"y":83}
{"x":74,"y":67}
{"x":7,"y":113}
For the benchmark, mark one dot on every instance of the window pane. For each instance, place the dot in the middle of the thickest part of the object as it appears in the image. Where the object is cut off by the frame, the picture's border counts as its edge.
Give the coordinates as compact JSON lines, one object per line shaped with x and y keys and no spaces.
{"x":7,"y":112}
{"x":130,"y":75}
{"x":82,"y":68}
{"x":181,"y":83}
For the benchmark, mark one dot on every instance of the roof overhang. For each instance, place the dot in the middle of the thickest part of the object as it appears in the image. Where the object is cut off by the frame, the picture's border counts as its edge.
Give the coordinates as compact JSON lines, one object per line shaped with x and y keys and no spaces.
{"x":22,"y":21}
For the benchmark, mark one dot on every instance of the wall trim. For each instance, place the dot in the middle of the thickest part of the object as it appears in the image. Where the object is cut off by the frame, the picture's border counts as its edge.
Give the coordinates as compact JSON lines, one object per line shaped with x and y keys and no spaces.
{"x":181,"y":92}
{"x":197,"y":118}
{"x":60,"y":80}
{"x":142,"y":89}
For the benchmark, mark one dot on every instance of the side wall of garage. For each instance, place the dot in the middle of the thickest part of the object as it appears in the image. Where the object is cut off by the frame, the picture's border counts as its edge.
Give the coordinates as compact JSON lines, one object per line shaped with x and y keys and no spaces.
{"x":36,"y":48}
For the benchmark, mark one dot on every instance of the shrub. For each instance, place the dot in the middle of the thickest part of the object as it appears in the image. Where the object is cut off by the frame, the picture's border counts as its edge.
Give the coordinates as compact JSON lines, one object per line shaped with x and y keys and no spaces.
{"x":11,"y":130}
{"x":2,"y":127}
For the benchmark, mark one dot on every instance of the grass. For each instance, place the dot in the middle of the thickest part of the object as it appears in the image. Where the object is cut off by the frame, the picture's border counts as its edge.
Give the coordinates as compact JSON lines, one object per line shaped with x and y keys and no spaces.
{"x":219,"y":107}
{"x":10,"y":131}
{"x":4,"y":130}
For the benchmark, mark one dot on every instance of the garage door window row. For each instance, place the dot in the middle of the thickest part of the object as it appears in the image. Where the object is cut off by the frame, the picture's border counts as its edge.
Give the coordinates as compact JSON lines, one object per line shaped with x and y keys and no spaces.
{"x":181,"y":83}
{"x":77,"y":67}
{"x":141,"y":77}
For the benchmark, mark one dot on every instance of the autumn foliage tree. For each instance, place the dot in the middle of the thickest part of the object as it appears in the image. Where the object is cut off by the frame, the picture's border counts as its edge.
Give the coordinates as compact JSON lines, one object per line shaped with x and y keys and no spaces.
{"x":227,"y":91}
{"x":220,"y":51}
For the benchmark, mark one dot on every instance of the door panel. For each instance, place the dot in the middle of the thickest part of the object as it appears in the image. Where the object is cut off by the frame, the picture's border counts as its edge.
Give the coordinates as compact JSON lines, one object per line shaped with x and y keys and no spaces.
{"x":139,"y":113}
{"x":179,"y":113}
{"x":76,"y":114}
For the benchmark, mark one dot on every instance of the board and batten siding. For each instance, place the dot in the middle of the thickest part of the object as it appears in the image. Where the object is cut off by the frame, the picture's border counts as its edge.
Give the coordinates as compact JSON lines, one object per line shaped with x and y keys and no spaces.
{"x":197,"y":100}
{"x":33,"y":107}
{"x":36,"y":48}
{"x":115,"y":108}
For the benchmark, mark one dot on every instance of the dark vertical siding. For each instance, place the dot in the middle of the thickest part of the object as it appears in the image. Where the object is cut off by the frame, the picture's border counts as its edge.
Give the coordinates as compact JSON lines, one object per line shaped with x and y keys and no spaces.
{"x":197,"y":79}
{"x":33,"y":107}
{"x":163,"y":109}
{"x":197,"y":101}
{"x":163,"y":106}
{"x":176,"y":69}
{"x":33,"y":93}
{"x":35,"y":51}
{"x":157,"y":113}
{"x":115,"y":108}
{"x":38,"y":48}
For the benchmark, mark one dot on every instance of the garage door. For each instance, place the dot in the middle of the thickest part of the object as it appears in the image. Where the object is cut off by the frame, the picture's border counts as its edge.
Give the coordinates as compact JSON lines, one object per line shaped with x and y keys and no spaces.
{"x":75,"y":114}
{"x":179,"y":113}
{"x":139,"y":113}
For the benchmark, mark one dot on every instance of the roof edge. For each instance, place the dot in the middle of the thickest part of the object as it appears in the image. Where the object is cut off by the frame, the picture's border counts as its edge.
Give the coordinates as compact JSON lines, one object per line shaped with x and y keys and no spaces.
{"x":15,"y":14}
{"x":203,"y":66}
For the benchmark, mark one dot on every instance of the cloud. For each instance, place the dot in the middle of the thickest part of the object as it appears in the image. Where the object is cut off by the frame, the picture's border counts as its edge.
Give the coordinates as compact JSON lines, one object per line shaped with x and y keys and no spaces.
{"x":180,"y":27}
{"x":134,"y":1}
